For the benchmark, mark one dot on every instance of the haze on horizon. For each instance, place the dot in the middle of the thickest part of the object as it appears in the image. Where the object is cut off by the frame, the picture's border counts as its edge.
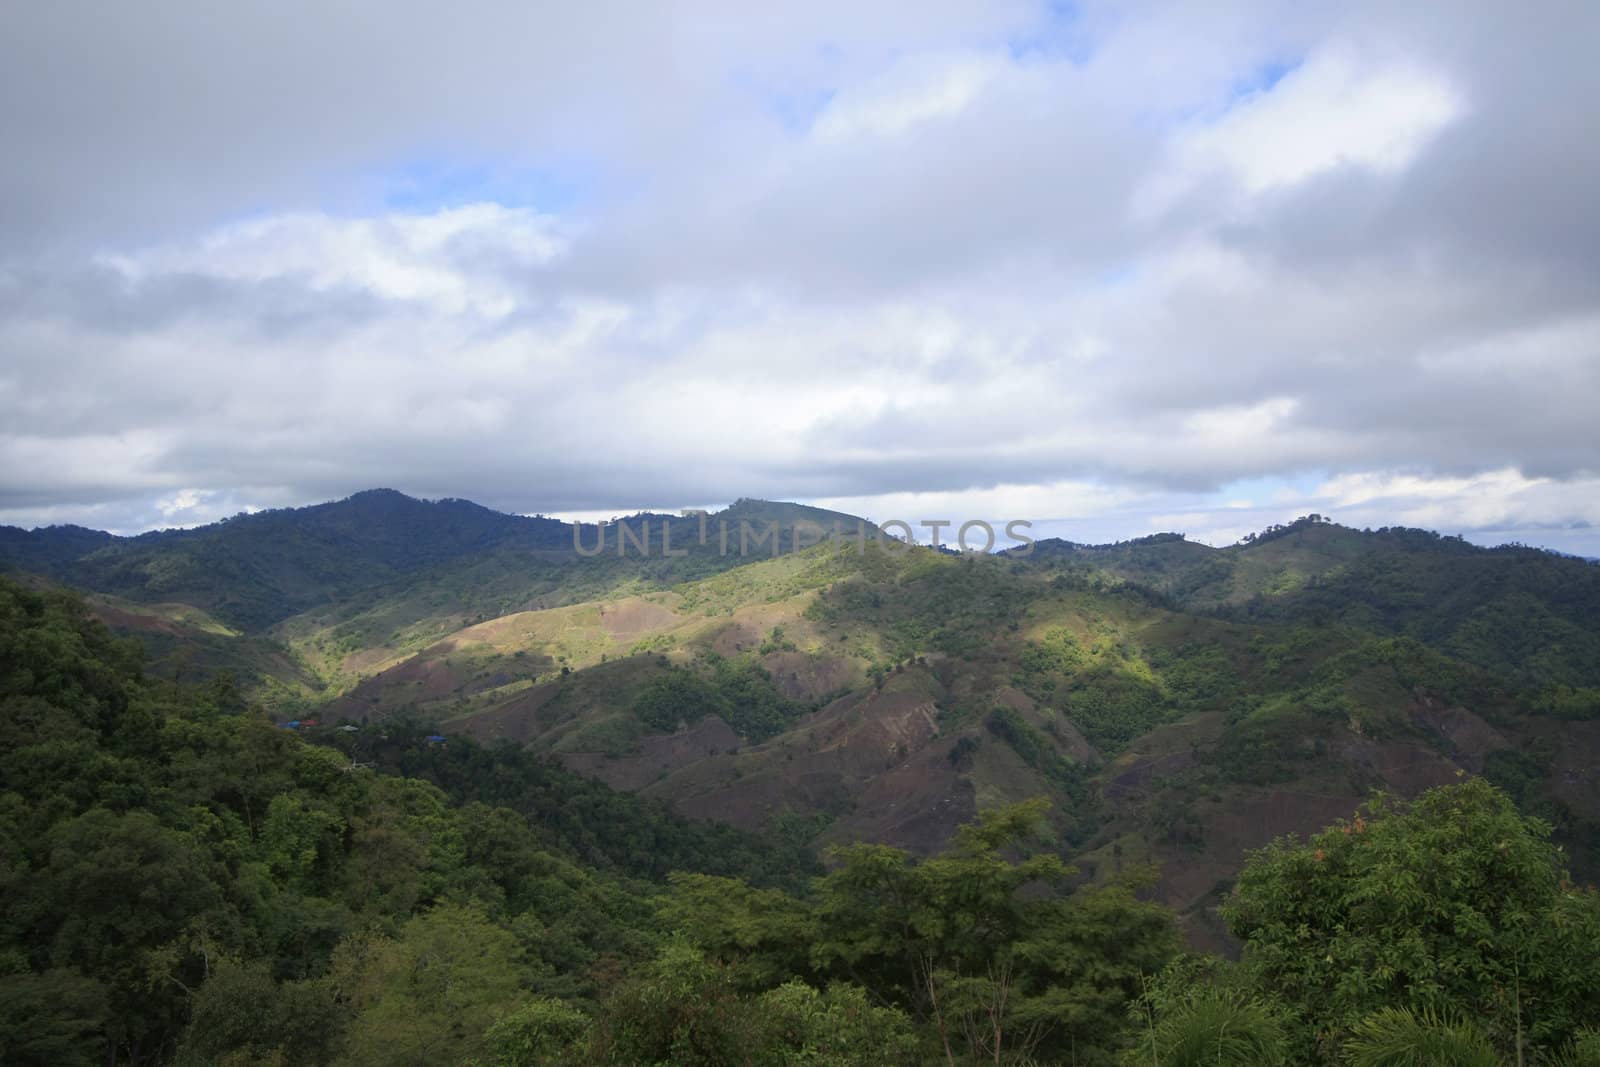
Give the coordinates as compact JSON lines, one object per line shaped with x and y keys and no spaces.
{"x":1113,"y":268}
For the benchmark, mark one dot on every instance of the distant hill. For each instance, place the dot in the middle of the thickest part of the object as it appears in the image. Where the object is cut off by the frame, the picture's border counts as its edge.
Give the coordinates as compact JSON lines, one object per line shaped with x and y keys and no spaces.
{"x":44,"y":550}
{"x":1199,"y":576}
{"x":254,"y":570}
{"x":1525,"y":613}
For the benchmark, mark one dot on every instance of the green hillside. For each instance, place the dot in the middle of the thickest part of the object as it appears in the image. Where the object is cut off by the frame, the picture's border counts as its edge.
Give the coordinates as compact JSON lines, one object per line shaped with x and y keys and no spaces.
{"x":834,"y":686}
{"x":185,"y":883}
{"x":255,"y":570}
{"x":1526,"y":615}
{"x":320,"y":597}
{"x":1175,"y":707}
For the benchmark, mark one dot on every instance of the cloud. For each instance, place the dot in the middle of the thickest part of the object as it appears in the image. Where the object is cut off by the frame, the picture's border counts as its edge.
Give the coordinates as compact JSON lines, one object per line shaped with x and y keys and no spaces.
{"x":449,"y":262}
{"x":1330,"y":112}
{"x":922,"y":90}
{"x":1096,"y":267}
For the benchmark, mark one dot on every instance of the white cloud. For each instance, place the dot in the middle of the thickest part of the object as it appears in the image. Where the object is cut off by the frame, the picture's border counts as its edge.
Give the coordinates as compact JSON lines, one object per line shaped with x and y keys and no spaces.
{"x":181,"y":501}
{"x":1063,"y":500}
{"x":1326,"y":114}
{"x":1332,"y":111}
{"x":454,"y":260}
{"x":1492,"y":500}
{"x":919,"y":90}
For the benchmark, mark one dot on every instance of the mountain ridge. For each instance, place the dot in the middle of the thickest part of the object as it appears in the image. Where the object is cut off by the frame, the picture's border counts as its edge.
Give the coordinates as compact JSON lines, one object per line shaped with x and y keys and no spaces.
{"x":253,"y":570}
{"x":1180,"y":703}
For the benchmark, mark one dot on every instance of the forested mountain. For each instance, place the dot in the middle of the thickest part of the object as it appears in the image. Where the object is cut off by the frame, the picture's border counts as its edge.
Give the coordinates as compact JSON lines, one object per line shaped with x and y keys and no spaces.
{"x":254,"y":570}
{"x":1524,"y":613}
{"x":449,"y":791}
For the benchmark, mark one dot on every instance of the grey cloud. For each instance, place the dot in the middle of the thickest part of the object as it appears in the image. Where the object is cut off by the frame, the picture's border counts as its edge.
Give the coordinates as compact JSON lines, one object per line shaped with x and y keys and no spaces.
{"x":965,"y":303}
{"x":105,"y":300}
{"x":124,"y":122}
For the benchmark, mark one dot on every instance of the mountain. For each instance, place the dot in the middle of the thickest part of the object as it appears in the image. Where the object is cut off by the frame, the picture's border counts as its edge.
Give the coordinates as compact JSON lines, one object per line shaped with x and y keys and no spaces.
{"x":495,"y":746}
{"x":1524,"y":613}
{"x":317,"y":596}
{"x":1180,"y":703}
{"x":255,"y":570}
{"x":892,"y":698}
{"x":45,"y":550}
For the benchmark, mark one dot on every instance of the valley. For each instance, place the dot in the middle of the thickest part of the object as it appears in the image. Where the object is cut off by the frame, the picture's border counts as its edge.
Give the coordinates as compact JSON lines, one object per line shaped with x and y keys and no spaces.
{"x":1180,"y":705}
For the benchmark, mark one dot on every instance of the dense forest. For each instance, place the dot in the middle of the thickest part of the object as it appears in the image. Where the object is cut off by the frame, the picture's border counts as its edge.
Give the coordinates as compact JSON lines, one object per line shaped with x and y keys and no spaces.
{"x":185,"y":882}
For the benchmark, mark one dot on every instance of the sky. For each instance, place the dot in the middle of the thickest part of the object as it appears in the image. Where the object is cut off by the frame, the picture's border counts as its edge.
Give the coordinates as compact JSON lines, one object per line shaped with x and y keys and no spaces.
{"x":1108,"y":268}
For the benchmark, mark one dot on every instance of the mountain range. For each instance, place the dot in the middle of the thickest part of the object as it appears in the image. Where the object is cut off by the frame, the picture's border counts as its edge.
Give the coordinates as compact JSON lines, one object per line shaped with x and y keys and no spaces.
{"x":1179,"y":704}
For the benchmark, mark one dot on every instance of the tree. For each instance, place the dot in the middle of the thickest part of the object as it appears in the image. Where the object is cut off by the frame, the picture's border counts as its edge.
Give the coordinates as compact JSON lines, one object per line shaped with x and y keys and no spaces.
{"x":241,"y":1015}
{"x":544,"y":1032}
{"x":1211,"y":1026}
{"x":429,"y":996}
{"x":837,"y":1028}
{"x":1455,"y":904}
{"x":992,"y":951}
{"x":764,"y":935}
{"x":680,"y":1009}
{"x":129,"y":901}
{"x":54,"y":1019}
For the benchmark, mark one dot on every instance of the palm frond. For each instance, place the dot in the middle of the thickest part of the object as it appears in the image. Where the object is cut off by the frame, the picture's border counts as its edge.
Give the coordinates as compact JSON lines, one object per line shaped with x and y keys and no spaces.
{"x":1214,"y":1028}
{"x":1398,"y":1037}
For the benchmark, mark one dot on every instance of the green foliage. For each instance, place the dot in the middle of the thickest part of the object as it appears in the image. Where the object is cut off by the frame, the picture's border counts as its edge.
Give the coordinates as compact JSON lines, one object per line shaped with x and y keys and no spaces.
{"x":1454,"y":904}
{"x":51,"y":1019}
{"x":1112,"y":706}
{"x":1199,"y":675}
{"x":1524,"y":775}
{"x":979,"y":947}
{"x":1569,"y":702}
{"x":763,"y":935}
{"x":1056,"y":652}
{"x":580,"y":817}
{"x":1273,"y":743}
{"x":959,"y":909}
{"x":681,"y":1009}
{"x":253,"y":570}
{"x":918,"y":601}
{"x":738,"y":690}
{"x":963,"y":752}
{"x":837,"y":1028}
{"x":1310,"y":688}
{"x":1582,"y":1051}
{"x":1104,"y":685}
{"x":179,"y":879}
{"x":685,"y":1009}
{"x":1211,"y":1027}
{"x":776,"y":642}
{"x":191,"y":879}
{"x":677,"y":699}
{"x":430,"y":995}
{"x":299,"y":841}
{"x":1525,"y":615}
{"x":240,"y":1012}
{"x":543,"y":1032}
{"x":1071,"y":778}
{"x":1398,"y":1037}
{"x":967,"y":941}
